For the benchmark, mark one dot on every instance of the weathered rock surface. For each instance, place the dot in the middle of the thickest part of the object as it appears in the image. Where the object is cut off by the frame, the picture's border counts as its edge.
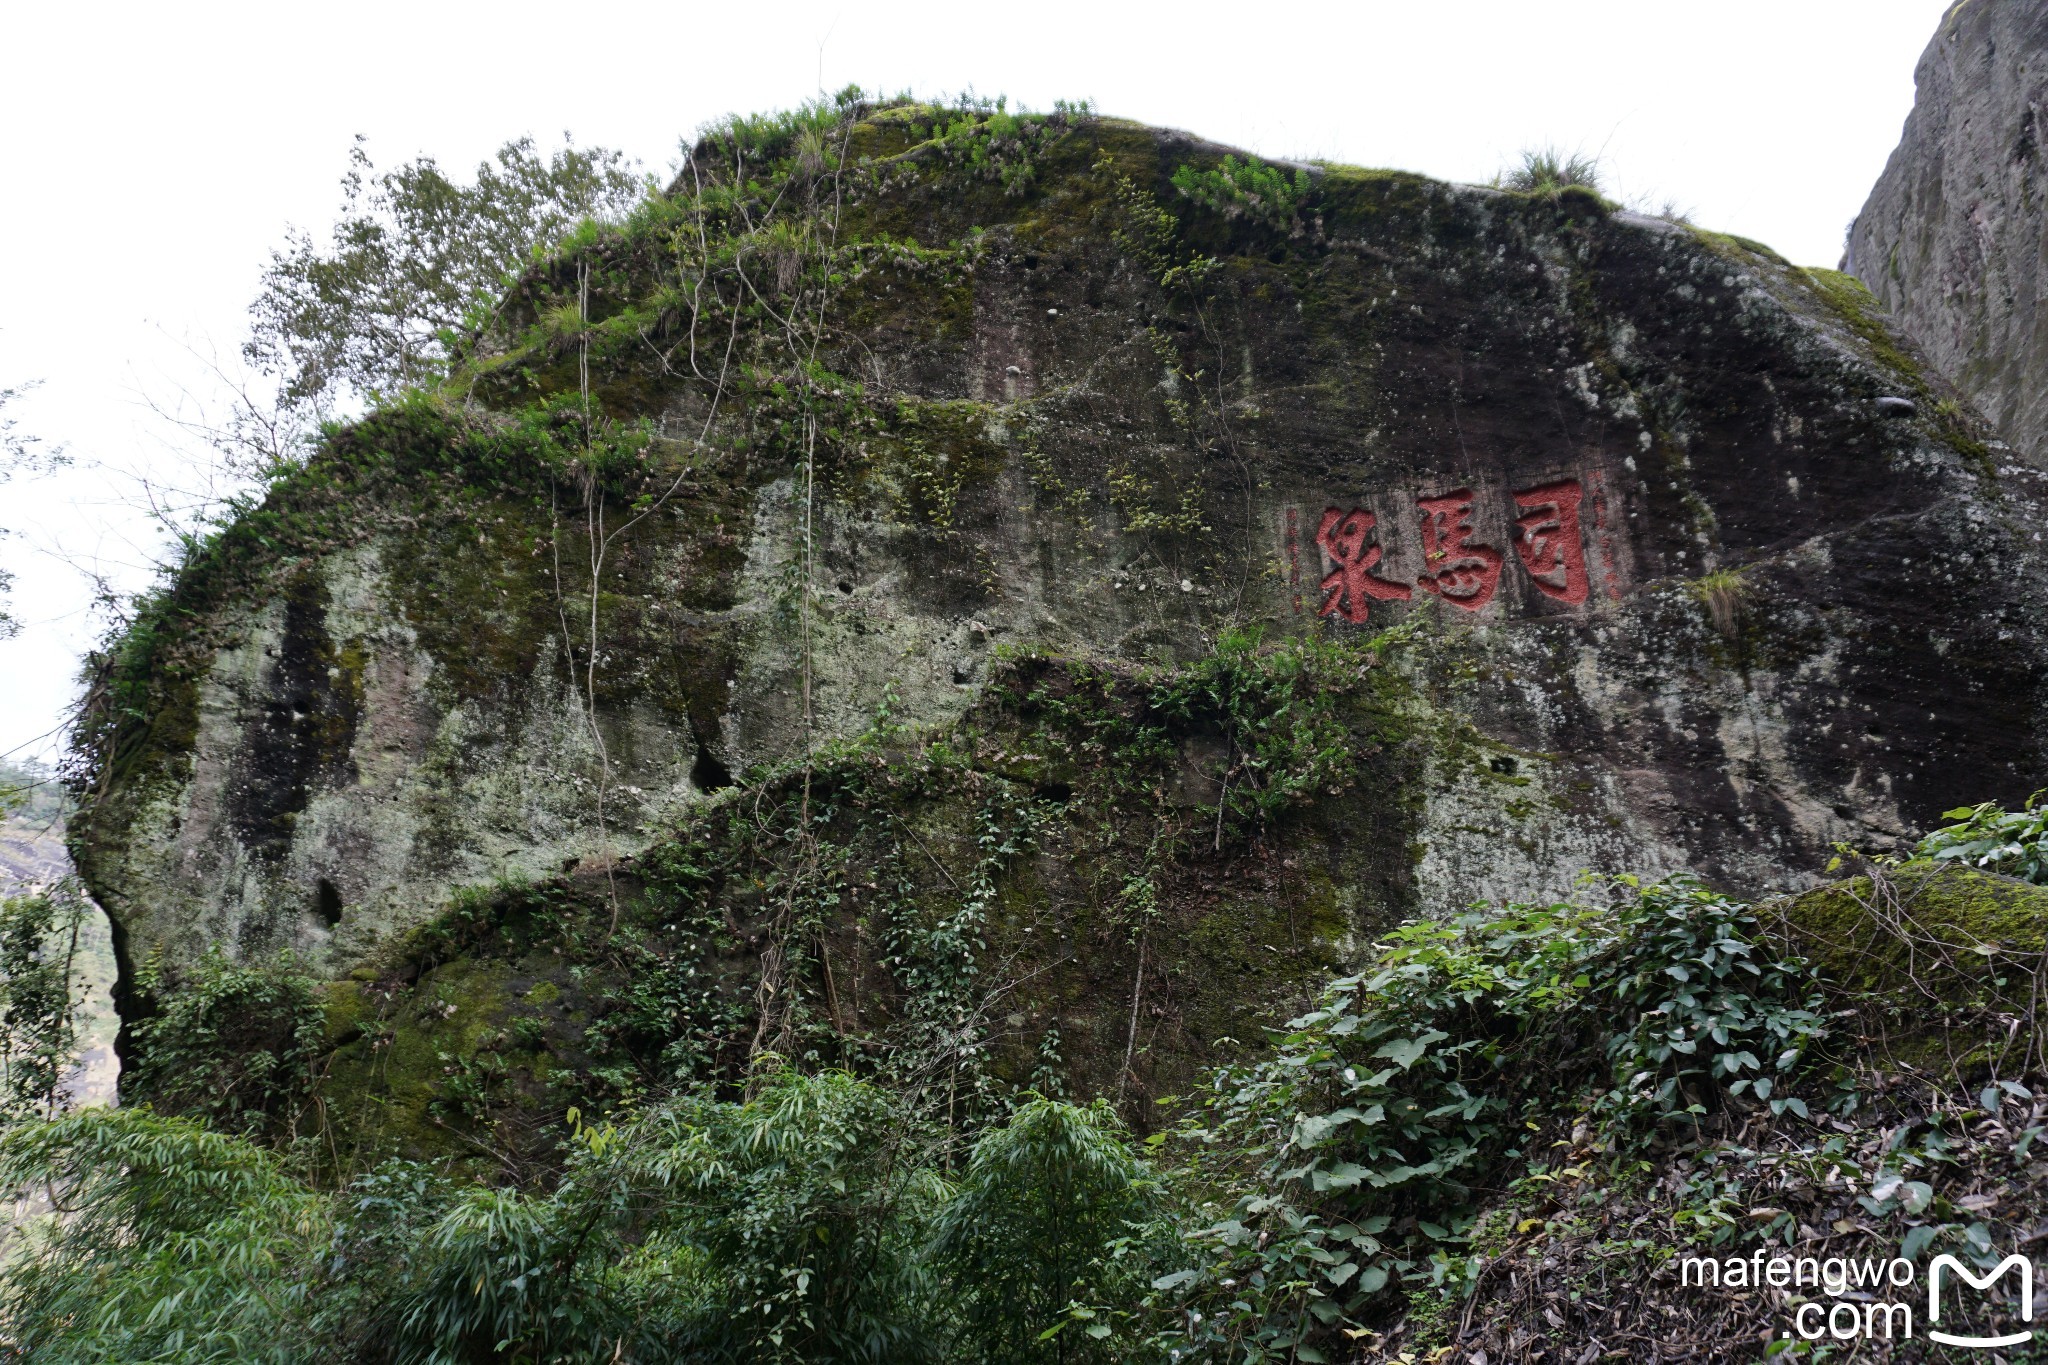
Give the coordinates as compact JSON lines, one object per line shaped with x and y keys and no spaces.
{"x":1681,"y":582}
{"x":1951,"y":238}
{"x":31,"y":854}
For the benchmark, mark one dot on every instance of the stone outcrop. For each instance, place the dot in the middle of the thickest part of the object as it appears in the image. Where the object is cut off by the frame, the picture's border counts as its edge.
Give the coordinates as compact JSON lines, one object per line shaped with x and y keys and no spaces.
{"x":1951,"y":238}
{"x":1685,"y":563}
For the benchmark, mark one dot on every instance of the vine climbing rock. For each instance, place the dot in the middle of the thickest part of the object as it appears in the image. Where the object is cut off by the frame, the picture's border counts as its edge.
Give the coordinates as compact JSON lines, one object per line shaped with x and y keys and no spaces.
{"x":1950,"y":238}
{"x":1145,"y":590}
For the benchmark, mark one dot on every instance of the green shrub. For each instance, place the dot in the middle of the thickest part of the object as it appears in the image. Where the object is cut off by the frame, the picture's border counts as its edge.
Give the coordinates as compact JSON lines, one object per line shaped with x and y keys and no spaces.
{"x":178,"y":1244}
{"x":1032,"y":1232}
{"x":504,"y":1270}
{"x":813,"y":1220}
{"x":229,"y":1043}
{"x":808,"y":1204}
{"x":39,"y":959}
{"x":1246,"y":189}
{"x":1349,"y":1160}
{"x":2010,"y":842}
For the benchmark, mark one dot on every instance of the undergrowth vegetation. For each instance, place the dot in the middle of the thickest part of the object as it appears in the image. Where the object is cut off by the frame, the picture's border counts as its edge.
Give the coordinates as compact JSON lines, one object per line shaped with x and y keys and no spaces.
{"x":2014,"y":842}
{"x":1518,"y":1077}
{"x":233,"y":1044}
{"x":1362,"y":1149}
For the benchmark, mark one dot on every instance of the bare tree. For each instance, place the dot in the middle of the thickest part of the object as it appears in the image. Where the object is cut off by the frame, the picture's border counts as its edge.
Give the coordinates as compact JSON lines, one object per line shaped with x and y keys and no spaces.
{"x":20,"y":452}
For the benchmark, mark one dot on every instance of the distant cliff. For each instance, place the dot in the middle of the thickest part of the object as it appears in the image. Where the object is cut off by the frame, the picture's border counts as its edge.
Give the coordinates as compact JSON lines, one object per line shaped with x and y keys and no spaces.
{"x":1952,"y":238}
{"x":30,"y":855}
{"x":31,"y":833}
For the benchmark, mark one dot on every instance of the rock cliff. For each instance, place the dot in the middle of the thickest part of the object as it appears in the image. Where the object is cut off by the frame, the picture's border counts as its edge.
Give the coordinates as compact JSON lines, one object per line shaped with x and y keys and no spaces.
{"x":1022,"y":597}
{"x":1950,"y":240}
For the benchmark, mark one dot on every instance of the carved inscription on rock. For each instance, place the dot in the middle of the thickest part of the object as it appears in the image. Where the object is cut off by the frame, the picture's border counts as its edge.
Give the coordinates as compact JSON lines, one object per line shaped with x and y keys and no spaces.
{"x":1345,"y":538}
{"x":1557,"y":548}
{"x":1454,"y":568}
{"x":1551,"y":545}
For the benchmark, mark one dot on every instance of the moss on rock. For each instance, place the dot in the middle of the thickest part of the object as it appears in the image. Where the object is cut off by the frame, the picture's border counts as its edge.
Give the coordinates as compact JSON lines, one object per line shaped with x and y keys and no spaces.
{"x":1939,"y":962}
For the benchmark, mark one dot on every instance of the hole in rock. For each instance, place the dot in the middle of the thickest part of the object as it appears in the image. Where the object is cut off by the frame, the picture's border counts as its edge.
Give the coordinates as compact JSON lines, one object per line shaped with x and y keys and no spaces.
{"x":707,"y":774}
{"x":327,"y":900}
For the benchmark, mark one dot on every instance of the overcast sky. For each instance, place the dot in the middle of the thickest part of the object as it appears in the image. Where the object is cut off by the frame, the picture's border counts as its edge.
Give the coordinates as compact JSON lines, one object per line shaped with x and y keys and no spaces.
{"x":155,"y":153}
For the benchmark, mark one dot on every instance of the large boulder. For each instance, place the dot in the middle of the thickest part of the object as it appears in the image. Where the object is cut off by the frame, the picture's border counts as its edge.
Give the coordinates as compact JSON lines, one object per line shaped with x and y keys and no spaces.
{"x":1037,"y":437}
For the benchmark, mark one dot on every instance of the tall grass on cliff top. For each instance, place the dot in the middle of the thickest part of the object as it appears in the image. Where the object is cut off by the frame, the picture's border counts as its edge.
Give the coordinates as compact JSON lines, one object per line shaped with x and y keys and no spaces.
{"x":1548,"y":171}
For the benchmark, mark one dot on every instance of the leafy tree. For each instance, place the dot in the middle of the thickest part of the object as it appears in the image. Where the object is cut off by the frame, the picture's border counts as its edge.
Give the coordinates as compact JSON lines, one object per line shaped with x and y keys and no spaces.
{"x":1032,"y":1234}
{"x":31,"y":792}
{"x":177,"y":1244}
{"x":39,"y":954}
{"x":414,"y":259}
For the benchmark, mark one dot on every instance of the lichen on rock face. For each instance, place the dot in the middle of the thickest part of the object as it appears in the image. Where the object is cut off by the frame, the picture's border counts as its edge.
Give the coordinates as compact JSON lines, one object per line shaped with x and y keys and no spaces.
{"x":912,"y":488}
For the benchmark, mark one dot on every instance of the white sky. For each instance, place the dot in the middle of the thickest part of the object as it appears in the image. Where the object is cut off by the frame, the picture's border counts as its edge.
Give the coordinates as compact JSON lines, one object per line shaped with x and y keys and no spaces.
{"x":155,"y":153}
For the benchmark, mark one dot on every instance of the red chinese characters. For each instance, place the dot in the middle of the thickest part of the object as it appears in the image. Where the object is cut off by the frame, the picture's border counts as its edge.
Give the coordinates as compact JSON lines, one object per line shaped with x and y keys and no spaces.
{"x":1455,"y":569}
{"x":1550,"y":544}
{"x":1548,"y":532}
{"x":1345,"y":537}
